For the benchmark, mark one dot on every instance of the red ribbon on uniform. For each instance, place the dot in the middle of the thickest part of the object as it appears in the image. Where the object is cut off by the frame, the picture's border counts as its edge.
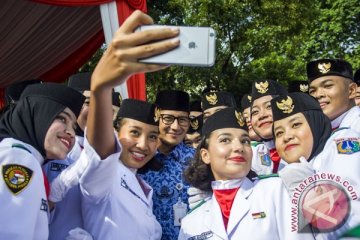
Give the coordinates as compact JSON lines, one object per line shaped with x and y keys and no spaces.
{"x":275,"y":158}
{"x":46,"y":185}
{"x":225,"y":198}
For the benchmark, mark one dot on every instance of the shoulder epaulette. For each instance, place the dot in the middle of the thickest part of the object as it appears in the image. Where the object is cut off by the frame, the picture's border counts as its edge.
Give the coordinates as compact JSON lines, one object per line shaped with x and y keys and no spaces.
{"x":339,"y":129}
{"x":197,"y":206}
{"x":18,"y":145}
{"x":266,"y":176}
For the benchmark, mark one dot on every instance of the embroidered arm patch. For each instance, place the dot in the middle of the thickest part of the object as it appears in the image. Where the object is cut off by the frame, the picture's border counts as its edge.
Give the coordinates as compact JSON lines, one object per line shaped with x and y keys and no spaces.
{"x":347,"y":145}
{"x":16,"y":177}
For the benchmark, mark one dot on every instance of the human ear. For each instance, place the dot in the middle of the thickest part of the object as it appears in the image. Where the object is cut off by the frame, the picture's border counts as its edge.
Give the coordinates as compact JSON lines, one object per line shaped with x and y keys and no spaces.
{"x":205,"y":157}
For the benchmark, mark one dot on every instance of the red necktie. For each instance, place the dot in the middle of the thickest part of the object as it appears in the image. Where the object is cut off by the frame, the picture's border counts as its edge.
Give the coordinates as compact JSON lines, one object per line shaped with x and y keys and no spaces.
{"x":225,"y":198}
{"x":275,"y":158}
{"x":46,"y":185}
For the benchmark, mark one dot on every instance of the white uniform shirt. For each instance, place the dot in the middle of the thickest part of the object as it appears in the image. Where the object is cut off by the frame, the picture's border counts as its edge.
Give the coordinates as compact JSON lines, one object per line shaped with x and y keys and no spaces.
{"x":261,"y":161}
{"x":75,"y":152}
{"x":349,"y":119}
{"x":341,"y":156}
{"x":340,"y":162}
{"x":67,"y":213}
{"x":267,"y":196}
{"x":24,"y":214}
{"x":114,"y":204}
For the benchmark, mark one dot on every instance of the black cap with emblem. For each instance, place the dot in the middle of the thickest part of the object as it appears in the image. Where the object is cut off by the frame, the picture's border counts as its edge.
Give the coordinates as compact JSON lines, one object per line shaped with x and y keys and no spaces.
{"x":225,"y":118}
{"x":293,"y":103}
{"x":329,"y":67}
{"x":139,"y":110}
{"x":261,"y":88}
{"x":298,"y":86}
{"x":216,"y":99}
{"x":196,"y":124}
{"x":287,"y":105}
{"x":173,"y":100}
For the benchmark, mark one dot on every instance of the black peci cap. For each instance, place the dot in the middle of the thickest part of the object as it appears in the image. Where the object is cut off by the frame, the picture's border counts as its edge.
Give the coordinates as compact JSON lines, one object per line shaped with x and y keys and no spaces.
{"x":226,"y":118}
{"x":58,"y":93}
{"x":357,"y":77}
{"x":195,"y":106}
{"x":285,"y":106}
{"x":245,"y":102}
{"x":329,"y":67}
{"x":298,"y":86}
{"x":173,"y":100}
{"x":139,"y":110}
{"x":80,"y":81}
{"x":261,"y":88}
{"x":14,"y":91}
{"x":116,"y":99}
{"x":216,"y":99}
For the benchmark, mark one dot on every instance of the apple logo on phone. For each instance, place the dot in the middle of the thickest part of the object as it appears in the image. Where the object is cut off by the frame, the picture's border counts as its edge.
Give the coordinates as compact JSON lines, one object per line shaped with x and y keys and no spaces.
{"x":192,"y":45}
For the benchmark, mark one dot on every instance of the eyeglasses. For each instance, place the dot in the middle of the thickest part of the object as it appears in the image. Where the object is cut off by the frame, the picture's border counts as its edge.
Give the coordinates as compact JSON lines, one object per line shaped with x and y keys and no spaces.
{"x":168,"y":119}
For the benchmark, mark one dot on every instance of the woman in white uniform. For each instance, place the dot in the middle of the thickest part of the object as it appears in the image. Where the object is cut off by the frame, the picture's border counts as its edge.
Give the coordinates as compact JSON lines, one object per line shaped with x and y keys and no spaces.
{"x":238,"y":208}
{"x":123,"y":210}
{"x":301,"y":129}
{"x":38,"y":127}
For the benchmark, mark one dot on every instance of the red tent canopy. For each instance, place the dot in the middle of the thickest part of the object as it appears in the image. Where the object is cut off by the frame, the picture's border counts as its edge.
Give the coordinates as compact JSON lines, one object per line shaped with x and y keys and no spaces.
{"x":52,"y":39}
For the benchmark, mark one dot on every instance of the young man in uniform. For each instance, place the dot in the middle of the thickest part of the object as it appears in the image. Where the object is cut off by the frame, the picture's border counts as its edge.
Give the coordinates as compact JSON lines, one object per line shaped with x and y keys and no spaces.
{"x":170,"y":195}
{"x":332,"y":84}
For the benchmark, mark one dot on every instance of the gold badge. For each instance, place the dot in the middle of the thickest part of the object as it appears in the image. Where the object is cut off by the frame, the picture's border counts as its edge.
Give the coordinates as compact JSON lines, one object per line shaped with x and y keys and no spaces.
{"x":324,"y":67}
{"x":194,"y":123}
{"x":157,"y":114}
{"x":249,"y":98}
{"x":212,"y":99}
{"x":239,"y":118}
{"x":16,"y":177}
{"x":286,"y":105}
{"x":304,"y":88}
{"x":262,"y":87}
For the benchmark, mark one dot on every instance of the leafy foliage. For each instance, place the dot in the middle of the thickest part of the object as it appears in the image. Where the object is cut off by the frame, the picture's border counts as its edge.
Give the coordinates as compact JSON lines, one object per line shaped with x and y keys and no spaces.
{"x":258,"y":39}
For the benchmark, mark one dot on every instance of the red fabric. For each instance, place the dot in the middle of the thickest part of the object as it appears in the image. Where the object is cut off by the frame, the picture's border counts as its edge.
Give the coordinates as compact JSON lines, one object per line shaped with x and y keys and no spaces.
{"x":136,"y":83}
{"x":70,"y":65}
{"x":275,"y":158}
{"x":46,"y":185}
{"x":2,"y":98}
{"x":69,"y":3}
{"x":225,"y":198}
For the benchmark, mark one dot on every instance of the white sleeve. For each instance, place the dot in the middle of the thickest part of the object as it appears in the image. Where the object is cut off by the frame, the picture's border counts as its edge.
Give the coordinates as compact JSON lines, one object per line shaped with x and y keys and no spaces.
{"x":24,"y":209}
{"x":97,"y":181}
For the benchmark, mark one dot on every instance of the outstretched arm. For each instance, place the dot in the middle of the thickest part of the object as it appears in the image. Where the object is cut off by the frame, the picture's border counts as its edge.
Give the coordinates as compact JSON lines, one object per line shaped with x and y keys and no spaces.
{"x":119,"y":62}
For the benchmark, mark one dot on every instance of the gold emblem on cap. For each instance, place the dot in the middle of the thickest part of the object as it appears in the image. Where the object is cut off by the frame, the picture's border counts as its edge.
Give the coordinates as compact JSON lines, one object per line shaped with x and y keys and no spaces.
{"x":194,"y":123}
{"x":286,"y":105}
{"x":324,"y":67}
{"x":239,"y":118}
{"x":304,"y":88}
{"x":262,"y":87}
{"x":157,"y":114}
{"x":212,"y":98}
{"x":249,"y":98}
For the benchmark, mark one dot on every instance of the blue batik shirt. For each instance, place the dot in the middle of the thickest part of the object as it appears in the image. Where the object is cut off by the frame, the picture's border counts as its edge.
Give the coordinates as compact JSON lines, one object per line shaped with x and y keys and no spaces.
{"x":166,"y":184}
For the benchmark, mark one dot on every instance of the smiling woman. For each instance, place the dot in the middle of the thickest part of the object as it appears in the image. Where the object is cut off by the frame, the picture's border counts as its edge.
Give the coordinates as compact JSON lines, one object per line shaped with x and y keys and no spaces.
{"x":40,"y":126}
{"x":221,"y":163}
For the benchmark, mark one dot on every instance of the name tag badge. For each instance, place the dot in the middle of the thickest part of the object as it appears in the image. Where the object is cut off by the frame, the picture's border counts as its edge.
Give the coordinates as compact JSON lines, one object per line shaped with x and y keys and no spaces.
{"x":180,"y":210}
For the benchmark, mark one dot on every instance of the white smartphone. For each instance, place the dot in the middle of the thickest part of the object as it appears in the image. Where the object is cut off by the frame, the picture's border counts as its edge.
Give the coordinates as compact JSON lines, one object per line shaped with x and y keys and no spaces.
{"x":197,"y":47}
